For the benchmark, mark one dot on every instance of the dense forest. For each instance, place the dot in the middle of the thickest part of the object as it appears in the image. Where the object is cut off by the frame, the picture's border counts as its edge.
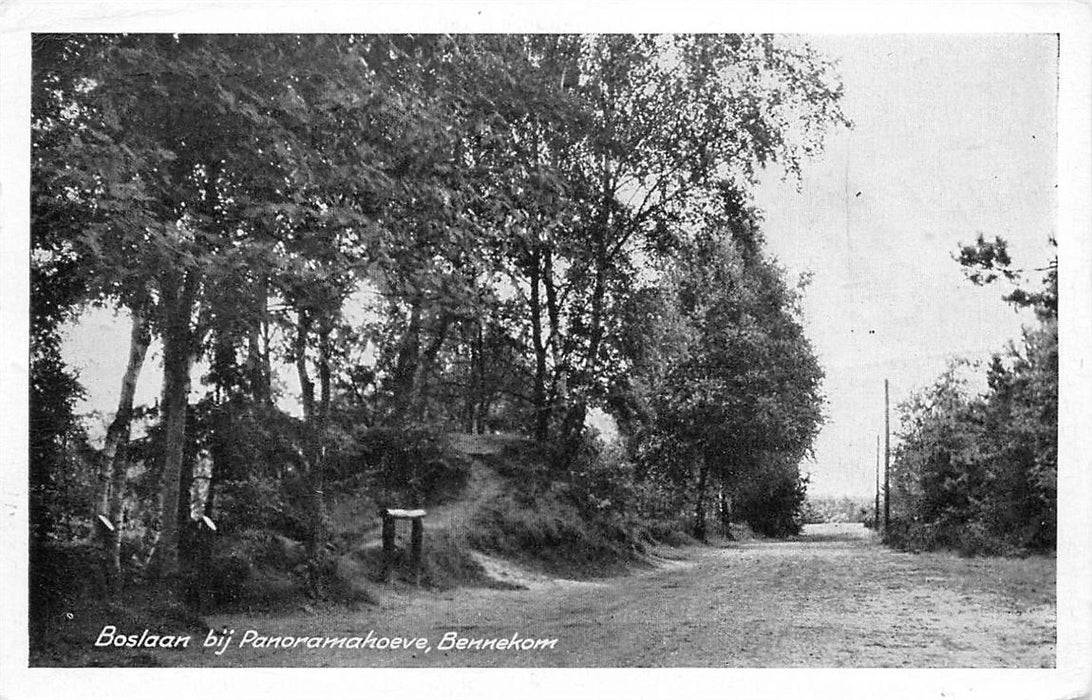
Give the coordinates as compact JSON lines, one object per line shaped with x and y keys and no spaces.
{"x":977,"y":469}
{"x":436,"y":235}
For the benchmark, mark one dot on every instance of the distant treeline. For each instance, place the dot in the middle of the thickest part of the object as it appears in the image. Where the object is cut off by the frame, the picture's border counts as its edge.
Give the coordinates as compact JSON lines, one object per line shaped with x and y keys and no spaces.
{"x":838,"y":510}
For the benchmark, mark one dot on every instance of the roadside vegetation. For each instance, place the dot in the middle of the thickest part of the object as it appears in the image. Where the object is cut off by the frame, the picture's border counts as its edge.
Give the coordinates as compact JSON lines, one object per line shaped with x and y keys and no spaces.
{"x":977,"y":469}
{"x":348,"y":249}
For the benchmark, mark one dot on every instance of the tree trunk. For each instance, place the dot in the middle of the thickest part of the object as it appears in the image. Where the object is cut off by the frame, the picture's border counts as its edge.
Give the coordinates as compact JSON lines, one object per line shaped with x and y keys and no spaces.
{"x":599,"y":292}
{"x":218,"y":455}
{"x":699,"y":509}
{"x":307,"y":387}
{"x":542,"y":415}
{"x":324,"y":372}
{"x":558,"y":378}
{"x":113,"y":470}
{"x":178,"y":357}
{"x":426,"y":366}
{"x":469,"y":404}
{"x":724,"y":512}
{"x":573,"y":426}
{"x":316,"y":467}
{"x":258,"y":360}
{"x":405,"y":368}
{"x":479,"y":386}
{"x":601,"y":231}
{"x":185,"y":496}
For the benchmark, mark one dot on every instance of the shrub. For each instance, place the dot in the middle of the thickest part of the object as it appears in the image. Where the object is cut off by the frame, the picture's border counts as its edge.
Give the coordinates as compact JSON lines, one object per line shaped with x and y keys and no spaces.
{"x":253,"y":567}
{"x":258,"y":502}
{"x":600,"y":480}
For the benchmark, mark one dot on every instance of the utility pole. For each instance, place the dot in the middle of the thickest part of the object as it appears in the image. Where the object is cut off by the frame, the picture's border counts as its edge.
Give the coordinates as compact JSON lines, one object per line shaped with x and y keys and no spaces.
{"x":886,"y":456}
{"x":876,"y":510}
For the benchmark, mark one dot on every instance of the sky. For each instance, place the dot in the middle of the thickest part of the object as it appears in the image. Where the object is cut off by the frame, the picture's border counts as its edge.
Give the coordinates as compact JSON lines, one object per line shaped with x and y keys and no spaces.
{"x":952,"y":135}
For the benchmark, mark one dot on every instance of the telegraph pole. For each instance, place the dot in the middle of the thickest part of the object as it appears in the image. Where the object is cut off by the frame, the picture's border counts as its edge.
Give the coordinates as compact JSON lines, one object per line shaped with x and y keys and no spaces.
{"x":876,"y":510}
{"x":886,"y":456}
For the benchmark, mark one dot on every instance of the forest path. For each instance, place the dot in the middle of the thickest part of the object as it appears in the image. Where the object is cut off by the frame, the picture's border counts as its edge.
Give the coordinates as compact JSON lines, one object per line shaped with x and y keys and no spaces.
{"x":831,"y":598}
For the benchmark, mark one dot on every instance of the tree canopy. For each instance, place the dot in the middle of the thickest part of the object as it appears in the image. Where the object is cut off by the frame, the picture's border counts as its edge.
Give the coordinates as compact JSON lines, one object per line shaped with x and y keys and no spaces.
{"x":432,"y":230}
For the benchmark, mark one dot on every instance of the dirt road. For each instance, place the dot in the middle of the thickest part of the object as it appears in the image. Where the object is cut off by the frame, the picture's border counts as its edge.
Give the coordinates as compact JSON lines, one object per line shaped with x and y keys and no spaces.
{"x":833,"y":598}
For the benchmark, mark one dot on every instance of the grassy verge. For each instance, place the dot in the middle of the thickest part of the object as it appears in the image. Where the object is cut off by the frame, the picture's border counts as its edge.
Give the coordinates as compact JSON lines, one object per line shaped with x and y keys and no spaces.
{"x":1025,"y":582}
{"x":551,"y":534}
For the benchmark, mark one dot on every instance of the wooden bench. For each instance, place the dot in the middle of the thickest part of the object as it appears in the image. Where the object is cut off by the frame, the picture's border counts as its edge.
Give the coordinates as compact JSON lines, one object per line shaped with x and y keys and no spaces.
{"x":391,"y":516}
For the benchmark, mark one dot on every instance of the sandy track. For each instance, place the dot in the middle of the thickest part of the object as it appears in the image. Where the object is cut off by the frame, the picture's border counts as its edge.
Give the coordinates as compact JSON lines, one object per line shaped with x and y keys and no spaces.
{"x":833,"y":598}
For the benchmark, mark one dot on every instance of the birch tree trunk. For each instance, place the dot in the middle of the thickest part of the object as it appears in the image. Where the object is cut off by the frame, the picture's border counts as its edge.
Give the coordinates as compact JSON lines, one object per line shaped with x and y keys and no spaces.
{"x":317,"y":462}
{"x":113,"y":468}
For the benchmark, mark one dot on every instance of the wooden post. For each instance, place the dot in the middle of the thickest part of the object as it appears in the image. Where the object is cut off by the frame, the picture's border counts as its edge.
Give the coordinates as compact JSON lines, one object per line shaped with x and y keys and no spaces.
{"x":886,"y":458}
{"x":876,"y":509}
{"x":417,"y":537}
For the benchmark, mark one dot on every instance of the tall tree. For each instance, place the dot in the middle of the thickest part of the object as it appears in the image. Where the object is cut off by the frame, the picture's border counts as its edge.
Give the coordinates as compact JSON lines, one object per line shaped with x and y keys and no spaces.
{"x":669,"y":119}
{"x":741,"y":398}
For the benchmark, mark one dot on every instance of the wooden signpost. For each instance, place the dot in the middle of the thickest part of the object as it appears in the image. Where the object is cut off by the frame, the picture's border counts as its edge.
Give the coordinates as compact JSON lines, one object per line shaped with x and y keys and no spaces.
{"x":417,"y":536}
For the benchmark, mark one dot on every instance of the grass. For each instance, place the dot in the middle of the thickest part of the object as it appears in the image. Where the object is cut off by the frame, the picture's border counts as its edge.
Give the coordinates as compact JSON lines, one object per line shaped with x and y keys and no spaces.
{"x":1026,"y":582}
{"x":551,"y":534}
{"x":446,"y":563}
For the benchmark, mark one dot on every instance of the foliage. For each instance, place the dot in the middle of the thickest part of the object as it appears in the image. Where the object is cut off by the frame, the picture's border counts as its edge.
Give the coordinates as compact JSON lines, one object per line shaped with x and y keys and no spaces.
{"x":978,"y":471}
{"x":435,"y":232}
{"x":772,"y":499}
{"x":261,"y":502}
{"x":740,"y":403}
{"x":400,"y":468}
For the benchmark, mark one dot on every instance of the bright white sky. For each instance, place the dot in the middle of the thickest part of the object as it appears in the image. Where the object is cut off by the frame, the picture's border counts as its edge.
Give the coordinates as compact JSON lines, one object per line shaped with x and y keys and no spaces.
{"x":953,"y":135}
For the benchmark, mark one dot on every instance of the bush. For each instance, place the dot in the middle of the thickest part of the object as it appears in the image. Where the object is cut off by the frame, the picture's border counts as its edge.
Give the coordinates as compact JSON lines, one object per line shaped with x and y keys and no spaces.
{"x":600,"y":480}
{"x":259,"y":502}
{"x":672,"y":532}
{"x":254,"y":567}
{"x":970,"y":538}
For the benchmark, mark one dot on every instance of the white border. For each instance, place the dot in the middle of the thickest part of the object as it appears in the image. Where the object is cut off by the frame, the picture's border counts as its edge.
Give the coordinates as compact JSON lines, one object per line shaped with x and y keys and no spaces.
{"x":1073,"y":20}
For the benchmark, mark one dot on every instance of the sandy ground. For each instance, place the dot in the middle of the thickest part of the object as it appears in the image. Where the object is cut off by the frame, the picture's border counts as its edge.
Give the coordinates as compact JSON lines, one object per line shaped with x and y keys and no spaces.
{"x":832,"y":598}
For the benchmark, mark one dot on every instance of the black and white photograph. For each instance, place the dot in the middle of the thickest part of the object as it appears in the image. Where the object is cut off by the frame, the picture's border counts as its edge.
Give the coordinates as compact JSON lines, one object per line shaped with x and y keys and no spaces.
{"x":486,"y":338}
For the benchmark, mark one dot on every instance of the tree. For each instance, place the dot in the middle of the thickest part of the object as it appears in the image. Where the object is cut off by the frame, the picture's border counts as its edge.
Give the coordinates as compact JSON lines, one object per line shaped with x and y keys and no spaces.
{"x":978,"y":471}
{"x":650,"y":165}
{"x":747,"y":396}
{"x":184,"y":172}
{"x":503,"y":201}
